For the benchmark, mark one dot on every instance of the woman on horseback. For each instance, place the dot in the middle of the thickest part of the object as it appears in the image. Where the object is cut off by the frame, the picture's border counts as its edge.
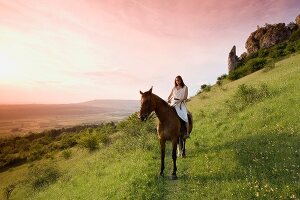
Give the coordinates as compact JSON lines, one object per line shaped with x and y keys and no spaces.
{"x":177,"y":99}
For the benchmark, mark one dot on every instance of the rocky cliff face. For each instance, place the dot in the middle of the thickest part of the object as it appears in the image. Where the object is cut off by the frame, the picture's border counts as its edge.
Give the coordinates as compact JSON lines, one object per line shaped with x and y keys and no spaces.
{"x":267,"y":36}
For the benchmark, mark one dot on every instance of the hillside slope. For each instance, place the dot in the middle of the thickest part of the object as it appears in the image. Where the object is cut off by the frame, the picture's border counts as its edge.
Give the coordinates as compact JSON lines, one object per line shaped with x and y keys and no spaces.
{"x":243,"y":146}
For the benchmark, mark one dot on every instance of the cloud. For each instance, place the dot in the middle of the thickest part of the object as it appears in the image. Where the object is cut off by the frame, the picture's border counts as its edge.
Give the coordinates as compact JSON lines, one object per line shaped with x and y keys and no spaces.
{"x":114,"y":76}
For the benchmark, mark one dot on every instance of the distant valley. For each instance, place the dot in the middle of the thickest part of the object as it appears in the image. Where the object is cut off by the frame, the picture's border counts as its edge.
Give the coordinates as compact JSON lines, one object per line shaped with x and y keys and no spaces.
{"x":20,"y":119}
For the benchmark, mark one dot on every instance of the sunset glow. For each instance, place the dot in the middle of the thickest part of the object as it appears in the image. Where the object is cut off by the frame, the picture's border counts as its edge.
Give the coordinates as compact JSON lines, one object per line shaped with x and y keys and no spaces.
{"x":74,"y":51}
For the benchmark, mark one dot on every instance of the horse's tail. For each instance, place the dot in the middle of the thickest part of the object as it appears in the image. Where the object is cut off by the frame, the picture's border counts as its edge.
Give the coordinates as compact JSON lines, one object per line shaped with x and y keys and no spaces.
{"x":190,"y":117}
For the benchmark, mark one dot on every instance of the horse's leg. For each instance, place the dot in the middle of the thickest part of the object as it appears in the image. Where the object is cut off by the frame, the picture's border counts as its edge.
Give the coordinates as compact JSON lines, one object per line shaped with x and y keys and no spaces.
{"x":174,"y":157}
{"x":162,"y":156}
{"x":183,"y":147}
{"x":180,"y":147}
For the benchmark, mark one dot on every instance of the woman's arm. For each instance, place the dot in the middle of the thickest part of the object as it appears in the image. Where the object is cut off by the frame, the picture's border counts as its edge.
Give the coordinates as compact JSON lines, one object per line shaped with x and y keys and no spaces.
{"x":171,"y":94}
{"x":185,"y":94}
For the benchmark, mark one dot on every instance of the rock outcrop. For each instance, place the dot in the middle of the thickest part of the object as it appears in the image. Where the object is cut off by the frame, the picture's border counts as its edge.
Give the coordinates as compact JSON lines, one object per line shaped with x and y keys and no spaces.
{"x":263,"y":38}
{"x":267,"y":36}
{"x":298,"y":20}
{"x":232,"y":59}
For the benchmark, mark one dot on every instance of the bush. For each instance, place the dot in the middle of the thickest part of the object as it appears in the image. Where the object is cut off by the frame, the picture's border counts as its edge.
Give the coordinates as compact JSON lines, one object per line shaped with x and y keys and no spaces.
{"x":262,"y":53}
{"x":297,"y":45}
{"x":205,"y":88}
{"x":67,"y":141}
{"x":255,"y":64}
{"x":247,"y":95}
{"x":290,"y":48}
{"x":251,"y":66}
{"x":277,"y":53}
{"x":11,"y":160}
{"x":89,"y":142}
{"x":133,"y":126}
{"x":42,"y":176}
{"x":222,"y":77}
{"x":66,"y":154}
{"x":295,"y":35}
{"x":34,"y":155}
{"x":104,"y":139}
{"x":234,"y":75}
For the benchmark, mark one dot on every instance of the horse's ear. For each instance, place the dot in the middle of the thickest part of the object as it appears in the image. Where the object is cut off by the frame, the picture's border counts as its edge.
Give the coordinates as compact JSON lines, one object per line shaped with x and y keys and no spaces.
{"x":141,"y":92}
{"x":151,"y":90}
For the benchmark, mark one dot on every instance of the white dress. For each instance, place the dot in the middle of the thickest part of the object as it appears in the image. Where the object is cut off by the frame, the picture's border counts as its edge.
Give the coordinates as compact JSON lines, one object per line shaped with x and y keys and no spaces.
{"x":180,"y":107}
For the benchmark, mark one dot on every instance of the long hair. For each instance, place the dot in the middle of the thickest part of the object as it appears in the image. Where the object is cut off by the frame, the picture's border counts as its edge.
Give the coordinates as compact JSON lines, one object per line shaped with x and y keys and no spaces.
{"x":182,"y":83}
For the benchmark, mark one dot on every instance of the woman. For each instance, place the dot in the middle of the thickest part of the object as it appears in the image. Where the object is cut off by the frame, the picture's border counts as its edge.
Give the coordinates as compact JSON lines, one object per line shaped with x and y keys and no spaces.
{"x":177,"y":98}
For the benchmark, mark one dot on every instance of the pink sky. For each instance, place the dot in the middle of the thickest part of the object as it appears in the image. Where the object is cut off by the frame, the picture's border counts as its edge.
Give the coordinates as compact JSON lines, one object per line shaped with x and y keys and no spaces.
{"x":54,"y":51}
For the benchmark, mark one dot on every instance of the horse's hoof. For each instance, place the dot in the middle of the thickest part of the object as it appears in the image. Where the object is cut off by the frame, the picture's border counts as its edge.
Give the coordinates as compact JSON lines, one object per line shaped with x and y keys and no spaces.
{"x":173,"y":177}
{"x":161,"y":175}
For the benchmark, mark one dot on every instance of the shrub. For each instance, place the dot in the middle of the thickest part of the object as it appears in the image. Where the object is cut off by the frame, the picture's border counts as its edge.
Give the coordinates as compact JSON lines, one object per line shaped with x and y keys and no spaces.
{"x":104,"y":138}
{"x":281,"y":46}
{"x":255,"y":64}
{"x":42,"y":176}
{"x":90,"y":142}
{"x":297,"y":45}
{"x":222,"y":77}
{"x":205,"y":88}
{"x":251,"y":66}
{"x":13,"y":160}
{"x":295,"y":35}
{"x":262,"y":53}
{"x":133,"y":126}
{"x":66,"y":154}
{"x":67,"y":141}
{"x":290,"y":48}
{"x":247,"y":95}
{"x":108,"y":128}
{"x":277,"y":53}
{"x":34,"y":155}
{"x":234,"y":75}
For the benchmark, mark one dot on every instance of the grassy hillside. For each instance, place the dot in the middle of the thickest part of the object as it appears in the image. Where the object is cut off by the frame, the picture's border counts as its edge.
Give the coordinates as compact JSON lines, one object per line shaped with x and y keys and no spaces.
{"x":245,"y":145}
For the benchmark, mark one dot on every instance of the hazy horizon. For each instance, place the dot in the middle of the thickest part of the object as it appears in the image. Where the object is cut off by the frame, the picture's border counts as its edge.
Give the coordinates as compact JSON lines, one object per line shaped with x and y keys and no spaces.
{"x":4,"y":104}
{"x":54,"y":52}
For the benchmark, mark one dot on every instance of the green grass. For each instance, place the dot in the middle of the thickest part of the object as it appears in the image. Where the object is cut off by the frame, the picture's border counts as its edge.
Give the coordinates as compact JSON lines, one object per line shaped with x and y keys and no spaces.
{"x":252,"y":152}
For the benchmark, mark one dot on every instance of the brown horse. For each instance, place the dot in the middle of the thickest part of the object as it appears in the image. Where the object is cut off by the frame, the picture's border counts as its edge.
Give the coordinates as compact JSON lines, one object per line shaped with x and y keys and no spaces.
{"x":169,"y":127}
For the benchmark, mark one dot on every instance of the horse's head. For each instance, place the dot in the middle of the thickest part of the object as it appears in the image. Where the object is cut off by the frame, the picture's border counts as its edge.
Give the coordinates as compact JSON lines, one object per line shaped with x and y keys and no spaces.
{"x":146,"y":104}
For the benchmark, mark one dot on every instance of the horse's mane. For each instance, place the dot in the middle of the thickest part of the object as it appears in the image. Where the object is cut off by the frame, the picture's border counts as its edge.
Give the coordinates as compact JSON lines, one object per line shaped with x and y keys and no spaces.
{"x":161,"y":100}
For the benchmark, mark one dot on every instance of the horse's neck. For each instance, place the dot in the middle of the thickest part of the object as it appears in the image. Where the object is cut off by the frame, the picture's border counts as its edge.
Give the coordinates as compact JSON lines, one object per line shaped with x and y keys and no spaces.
{"x":161,"y":108}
